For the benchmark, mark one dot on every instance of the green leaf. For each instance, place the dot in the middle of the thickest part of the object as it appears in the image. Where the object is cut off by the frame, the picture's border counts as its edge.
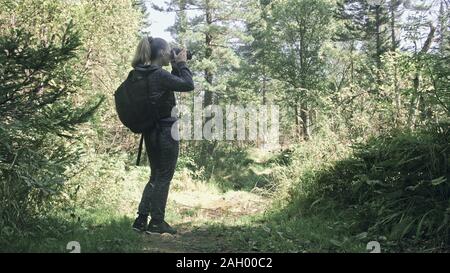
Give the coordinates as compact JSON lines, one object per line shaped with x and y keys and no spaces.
{"x":438,"y":181}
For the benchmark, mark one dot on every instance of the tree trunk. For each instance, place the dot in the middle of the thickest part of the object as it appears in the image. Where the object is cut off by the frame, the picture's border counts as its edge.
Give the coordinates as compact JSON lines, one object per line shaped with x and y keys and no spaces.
{"x":415,"y":101}
{"x":306,"y":121}
{"x":297,"y":121}
{"x":264,"y":86}
{"x":393,"y":49}
{"x":208,"y":99}
{"x":378,"y":45}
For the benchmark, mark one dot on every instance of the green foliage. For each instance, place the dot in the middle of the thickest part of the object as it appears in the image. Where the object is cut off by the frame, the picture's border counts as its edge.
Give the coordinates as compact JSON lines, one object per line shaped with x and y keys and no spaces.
{"x":38,"y":116}
{"x":101,"y":231}
{"x":439,"y":72}
{"x":104,"y":182}
{"x":55,"y":71}
{"x":337,"y":68}
{"x":395,"y":185}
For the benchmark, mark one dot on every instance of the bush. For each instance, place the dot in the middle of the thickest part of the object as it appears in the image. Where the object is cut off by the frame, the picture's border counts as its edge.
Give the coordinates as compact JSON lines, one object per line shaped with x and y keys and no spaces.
{"x":38,"y":117}
{"x":395,"y":185}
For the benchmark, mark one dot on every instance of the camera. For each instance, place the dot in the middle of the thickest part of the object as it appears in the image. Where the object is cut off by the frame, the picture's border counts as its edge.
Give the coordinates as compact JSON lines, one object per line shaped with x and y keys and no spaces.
{"x":177,"y":51}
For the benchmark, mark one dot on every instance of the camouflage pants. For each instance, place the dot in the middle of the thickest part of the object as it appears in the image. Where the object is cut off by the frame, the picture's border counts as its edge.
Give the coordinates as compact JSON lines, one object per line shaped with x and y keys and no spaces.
{"x":162,"y":150}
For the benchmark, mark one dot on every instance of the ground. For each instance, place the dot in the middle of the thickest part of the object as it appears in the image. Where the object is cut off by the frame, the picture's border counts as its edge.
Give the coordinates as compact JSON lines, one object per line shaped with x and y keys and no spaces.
{"x":197,"y":213}
{"x":210,"y":215}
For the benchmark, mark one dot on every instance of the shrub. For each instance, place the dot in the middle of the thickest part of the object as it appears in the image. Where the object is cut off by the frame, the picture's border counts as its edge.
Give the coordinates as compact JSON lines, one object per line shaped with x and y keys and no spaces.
{"x":37,"y":118}
{"x":396,"y":185}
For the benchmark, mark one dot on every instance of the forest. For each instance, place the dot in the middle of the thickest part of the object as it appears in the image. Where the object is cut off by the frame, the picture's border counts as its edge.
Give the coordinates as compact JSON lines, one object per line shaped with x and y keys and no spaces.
{"x":363,"y":92}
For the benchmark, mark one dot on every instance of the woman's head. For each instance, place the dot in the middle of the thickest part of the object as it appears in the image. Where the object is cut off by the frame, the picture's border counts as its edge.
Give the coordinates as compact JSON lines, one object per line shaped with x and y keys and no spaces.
{"x":152,"y":50}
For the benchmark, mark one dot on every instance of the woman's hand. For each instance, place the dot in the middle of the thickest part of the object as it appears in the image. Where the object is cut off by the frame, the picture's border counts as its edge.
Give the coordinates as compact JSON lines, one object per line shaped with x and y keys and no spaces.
{"x":181,"y":57}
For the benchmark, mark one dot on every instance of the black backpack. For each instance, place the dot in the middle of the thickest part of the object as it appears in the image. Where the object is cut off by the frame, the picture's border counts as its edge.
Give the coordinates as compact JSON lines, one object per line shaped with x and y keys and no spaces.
{"x":136,"y":106}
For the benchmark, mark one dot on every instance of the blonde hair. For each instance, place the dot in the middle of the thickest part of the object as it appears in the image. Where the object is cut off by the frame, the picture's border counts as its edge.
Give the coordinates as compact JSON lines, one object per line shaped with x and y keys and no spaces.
{"x":149,"y":49}
{"x":143,"y":52}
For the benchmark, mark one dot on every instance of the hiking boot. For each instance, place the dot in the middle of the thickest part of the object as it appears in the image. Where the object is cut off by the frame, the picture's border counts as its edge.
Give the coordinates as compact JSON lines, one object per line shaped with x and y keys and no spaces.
{"x":140,"y":224}
{"x":160,"y":228}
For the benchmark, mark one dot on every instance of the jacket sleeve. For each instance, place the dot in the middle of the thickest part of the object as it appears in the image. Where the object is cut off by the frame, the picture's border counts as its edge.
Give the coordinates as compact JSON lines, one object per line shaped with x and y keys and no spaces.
{"x":181,"y":83}
{"x":175,"y":70}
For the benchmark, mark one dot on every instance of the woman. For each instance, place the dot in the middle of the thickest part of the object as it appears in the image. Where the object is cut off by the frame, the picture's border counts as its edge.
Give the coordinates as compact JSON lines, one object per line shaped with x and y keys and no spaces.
{"x":162,"y":148}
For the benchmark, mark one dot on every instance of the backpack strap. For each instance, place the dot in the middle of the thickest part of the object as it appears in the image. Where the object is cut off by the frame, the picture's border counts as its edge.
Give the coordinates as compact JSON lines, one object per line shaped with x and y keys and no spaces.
{"x":157,"y":127}
{"x":141,"y":144}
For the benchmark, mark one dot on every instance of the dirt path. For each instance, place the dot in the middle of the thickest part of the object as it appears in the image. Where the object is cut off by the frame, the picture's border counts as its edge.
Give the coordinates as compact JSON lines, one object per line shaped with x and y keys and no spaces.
{"x":205,"y":222}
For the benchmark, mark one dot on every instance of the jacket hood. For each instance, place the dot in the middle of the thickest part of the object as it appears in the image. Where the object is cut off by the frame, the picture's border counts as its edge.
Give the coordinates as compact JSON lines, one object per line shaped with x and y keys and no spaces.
{"x":149,"y":67}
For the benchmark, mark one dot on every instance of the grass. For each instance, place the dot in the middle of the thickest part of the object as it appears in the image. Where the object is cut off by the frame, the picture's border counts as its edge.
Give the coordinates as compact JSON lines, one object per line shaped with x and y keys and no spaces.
{"x":96,"y":231}
{"x":307,"y":203}
{"x":309,"y":234}
{"x":215,"y":215}
{"x":101,"y":231}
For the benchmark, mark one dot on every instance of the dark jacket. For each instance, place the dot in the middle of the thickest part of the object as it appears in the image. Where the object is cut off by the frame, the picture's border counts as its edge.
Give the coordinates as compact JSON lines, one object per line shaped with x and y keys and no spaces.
{"x":160,"y":80}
